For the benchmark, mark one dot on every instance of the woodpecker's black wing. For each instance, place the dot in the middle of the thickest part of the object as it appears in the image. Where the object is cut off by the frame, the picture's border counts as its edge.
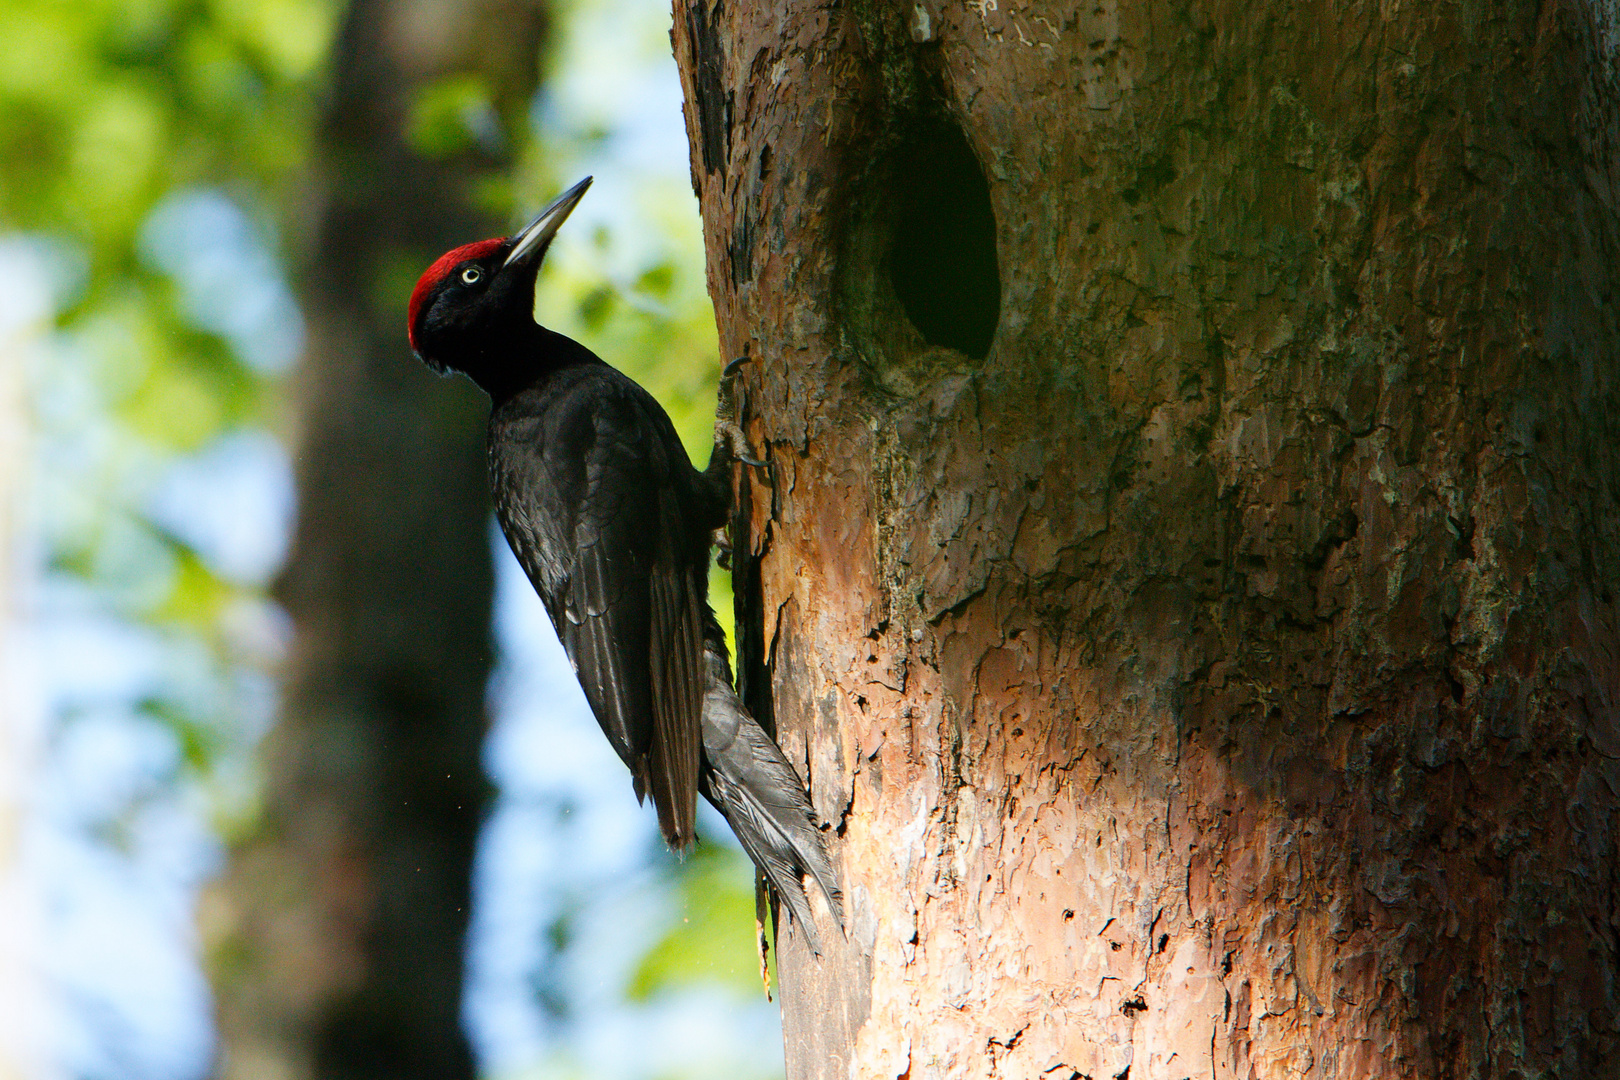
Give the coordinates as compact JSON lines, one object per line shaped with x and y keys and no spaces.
{"x":588,"y":476}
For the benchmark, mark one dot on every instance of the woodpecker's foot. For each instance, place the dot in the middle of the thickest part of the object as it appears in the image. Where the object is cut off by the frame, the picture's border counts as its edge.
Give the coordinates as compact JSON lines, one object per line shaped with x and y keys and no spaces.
{"x":720,"y":540}
{"x":736,"y":443}
{"x":729,"y":439}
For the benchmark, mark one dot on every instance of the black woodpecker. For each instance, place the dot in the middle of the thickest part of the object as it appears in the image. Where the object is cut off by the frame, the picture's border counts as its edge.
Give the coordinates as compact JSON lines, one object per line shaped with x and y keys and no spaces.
{"x":613,"y":525}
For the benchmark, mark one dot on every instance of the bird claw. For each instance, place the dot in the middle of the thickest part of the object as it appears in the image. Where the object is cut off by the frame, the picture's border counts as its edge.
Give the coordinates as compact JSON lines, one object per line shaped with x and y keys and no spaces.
{"x":720,"y":540}
{"x":728,"y":435}
{"x":736,"y":444}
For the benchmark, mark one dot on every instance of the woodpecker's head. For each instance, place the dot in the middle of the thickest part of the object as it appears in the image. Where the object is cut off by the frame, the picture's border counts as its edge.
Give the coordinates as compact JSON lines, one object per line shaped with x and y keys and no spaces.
{"x":479,"y":296}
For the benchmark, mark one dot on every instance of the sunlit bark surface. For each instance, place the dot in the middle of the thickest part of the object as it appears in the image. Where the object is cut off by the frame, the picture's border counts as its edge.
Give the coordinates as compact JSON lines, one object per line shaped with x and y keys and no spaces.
{"x":336,"y":939}
{"x":1218,"y":674}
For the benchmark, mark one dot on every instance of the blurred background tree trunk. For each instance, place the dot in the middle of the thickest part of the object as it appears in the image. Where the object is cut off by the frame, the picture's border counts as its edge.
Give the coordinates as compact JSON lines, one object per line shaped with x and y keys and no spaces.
{"x":339,"y":951}
{"x":1188,"y":581}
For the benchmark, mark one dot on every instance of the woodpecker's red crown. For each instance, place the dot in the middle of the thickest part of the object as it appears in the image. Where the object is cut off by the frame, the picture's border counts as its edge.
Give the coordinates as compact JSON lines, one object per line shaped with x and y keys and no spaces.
{"x":436,"y":273}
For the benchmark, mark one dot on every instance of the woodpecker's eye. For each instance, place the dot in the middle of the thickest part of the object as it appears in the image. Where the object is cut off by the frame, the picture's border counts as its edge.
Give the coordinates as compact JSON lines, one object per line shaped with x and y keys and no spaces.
{"x":471,"y":275}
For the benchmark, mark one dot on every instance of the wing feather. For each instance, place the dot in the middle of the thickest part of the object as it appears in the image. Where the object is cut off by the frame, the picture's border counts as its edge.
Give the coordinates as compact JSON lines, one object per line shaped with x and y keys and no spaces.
{"x":676,"y":684}
{"x":628,"y":604}
{"x":603,"y":630}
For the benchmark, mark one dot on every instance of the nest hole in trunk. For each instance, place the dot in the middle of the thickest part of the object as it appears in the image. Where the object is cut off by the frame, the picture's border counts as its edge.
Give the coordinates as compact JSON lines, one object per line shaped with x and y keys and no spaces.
{"x":942,"y":253}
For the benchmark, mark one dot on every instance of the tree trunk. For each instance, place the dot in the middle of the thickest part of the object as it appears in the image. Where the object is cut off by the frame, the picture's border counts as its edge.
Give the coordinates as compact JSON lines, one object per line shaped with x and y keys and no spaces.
{"x":1187,"y":576}
{"x":342,"y":918}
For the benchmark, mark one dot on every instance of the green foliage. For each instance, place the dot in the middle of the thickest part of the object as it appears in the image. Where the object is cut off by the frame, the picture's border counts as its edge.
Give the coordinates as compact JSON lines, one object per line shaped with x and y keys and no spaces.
{"x":106,"y":104}
{"x":197,"y":598}
{"x":714,"y":939}
{"x":108,"y":107}
{"x":450,"y":116}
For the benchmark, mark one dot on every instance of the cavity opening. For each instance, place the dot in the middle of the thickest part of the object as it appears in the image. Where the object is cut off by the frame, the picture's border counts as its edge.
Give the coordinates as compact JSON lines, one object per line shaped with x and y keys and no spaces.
{"x":942,"y":260}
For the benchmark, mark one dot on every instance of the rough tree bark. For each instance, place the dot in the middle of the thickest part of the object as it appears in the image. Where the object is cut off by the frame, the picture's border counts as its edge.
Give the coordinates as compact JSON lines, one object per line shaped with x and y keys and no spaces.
{"x":1210,"y":663}
{"x":337,"y":934}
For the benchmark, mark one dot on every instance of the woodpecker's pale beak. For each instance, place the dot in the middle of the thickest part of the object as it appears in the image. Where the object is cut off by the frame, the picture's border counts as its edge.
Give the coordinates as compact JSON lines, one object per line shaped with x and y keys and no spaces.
{"x":536,"y":236}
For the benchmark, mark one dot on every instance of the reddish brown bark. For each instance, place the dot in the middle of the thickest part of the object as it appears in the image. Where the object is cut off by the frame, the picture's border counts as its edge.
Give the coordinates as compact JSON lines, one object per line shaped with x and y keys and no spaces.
{"x":1221,"y":676}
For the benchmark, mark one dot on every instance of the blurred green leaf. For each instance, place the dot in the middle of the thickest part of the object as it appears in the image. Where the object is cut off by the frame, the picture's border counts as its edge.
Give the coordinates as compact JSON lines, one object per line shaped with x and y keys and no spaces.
{"x":175,"y":406}
{"x":290,"y":37}
{"x":198,"y":596}
{"x":595,"y":307}
{"x":450,"y":116}
{"x":198,"y":740}
{"x":714,"y":939}
{"x":657,"y":280}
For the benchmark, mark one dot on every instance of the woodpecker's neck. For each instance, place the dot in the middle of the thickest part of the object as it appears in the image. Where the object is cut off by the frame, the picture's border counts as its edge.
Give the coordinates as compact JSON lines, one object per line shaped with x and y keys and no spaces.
{"x":507,"y":364}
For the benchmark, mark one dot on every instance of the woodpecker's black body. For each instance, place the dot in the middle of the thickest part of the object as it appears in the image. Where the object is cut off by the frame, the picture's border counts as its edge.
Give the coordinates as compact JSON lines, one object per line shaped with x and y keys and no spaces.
{"x":612,"y":524}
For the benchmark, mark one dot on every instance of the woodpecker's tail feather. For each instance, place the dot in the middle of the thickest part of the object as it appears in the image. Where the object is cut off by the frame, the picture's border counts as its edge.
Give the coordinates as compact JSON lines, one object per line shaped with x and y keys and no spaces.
{"x":754,"y":787}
